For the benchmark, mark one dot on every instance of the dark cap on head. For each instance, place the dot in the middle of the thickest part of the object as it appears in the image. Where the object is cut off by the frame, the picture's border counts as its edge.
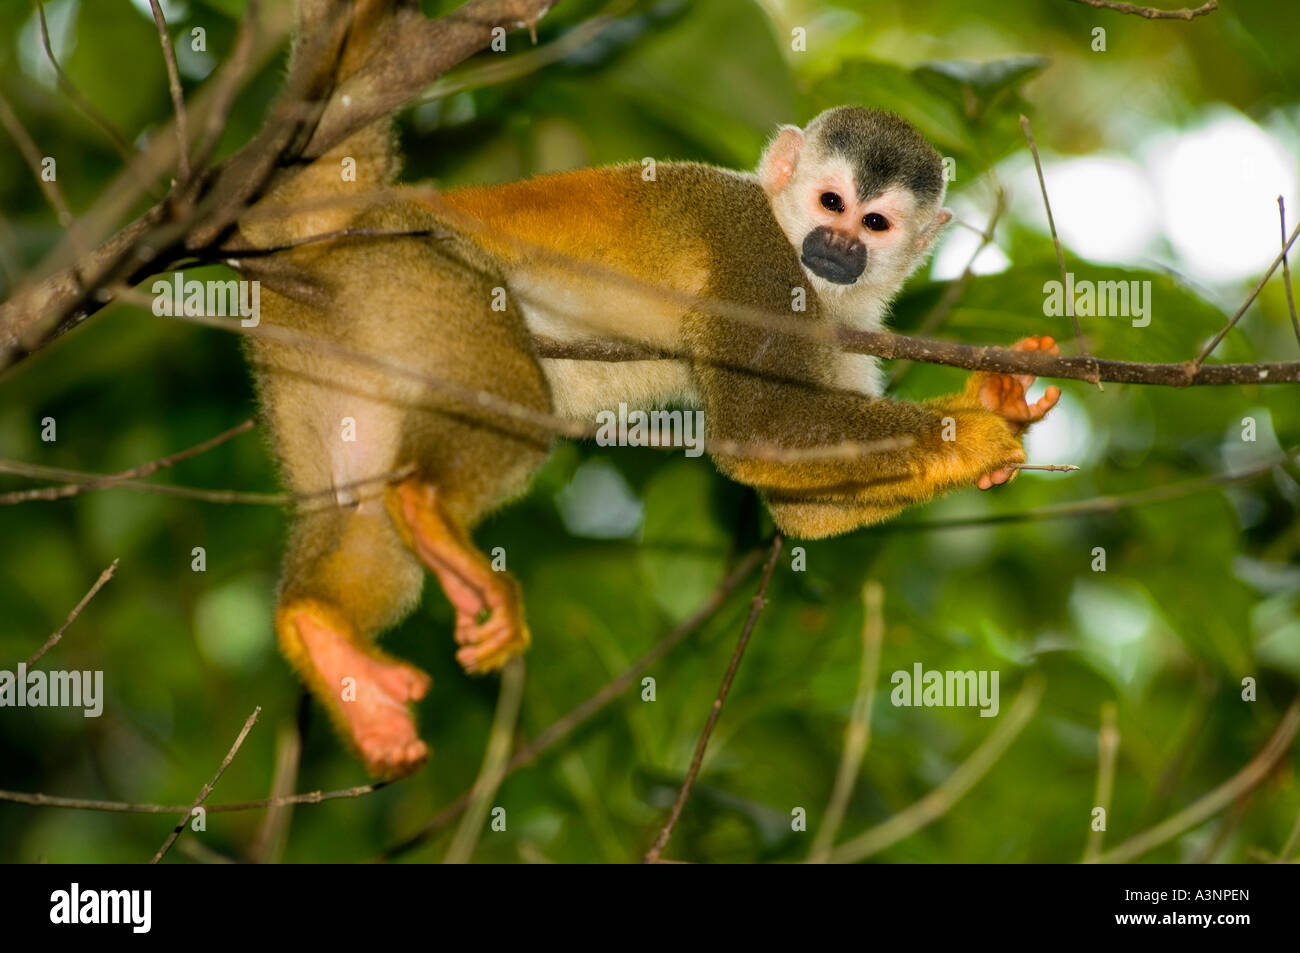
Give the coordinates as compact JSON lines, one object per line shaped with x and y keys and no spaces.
{"x":883,"y":150}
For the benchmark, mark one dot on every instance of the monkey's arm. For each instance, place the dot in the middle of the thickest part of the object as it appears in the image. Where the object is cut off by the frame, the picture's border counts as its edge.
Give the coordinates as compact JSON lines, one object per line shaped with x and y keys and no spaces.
{"x":772,"y":397}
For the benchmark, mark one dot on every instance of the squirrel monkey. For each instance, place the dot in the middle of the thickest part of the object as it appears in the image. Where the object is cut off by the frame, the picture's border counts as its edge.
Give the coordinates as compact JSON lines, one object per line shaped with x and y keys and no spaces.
{"x":842,"y":211}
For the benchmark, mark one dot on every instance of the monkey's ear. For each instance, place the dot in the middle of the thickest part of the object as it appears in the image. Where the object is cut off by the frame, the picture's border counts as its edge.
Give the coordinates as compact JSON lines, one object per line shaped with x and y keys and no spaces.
{"x":931,"y":231}
{"x":776,"y":168}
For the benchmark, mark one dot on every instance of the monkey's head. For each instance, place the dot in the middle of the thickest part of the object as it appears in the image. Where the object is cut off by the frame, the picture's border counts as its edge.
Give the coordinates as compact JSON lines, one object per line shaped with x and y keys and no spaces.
{"x":859,"y":193}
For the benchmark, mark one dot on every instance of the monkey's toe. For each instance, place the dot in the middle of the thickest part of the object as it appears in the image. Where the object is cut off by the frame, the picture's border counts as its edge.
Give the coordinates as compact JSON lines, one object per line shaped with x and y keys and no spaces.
{"x":391,"y":755}
{"x":489,"y":645}
{"x":366,"y":693}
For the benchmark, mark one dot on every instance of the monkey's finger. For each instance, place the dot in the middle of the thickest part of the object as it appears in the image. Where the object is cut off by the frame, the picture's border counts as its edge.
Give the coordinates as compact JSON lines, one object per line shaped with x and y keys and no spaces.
{"x":996,"y":478}
{"x":1045,"y":403}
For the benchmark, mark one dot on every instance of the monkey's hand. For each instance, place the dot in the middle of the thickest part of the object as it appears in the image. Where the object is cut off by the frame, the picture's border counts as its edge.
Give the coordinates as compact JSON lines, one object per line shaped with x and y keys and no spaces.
{"x":1004,"y":394}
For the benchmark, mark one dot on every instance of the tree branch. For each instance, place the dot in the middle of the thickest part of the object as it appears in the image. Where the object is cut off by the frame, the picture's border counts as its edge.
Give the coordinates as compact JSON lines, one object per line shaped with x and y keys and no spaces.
{"x":207,"y":788}
{"x":1244,"y":781}
{"x":53,"y":640}
{"x":953,"y":788}
{"x":756,"y":606}
{"x":975,"y":357}
{"x":1151,"y":13}
{"x":314,"y":114}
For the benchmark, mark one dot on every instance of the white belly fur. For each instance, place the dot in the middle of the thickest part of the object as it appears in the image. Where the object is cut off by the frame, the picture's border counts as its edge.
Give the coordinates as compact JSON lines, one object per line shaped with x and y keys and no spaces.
{"x":580,"y":389}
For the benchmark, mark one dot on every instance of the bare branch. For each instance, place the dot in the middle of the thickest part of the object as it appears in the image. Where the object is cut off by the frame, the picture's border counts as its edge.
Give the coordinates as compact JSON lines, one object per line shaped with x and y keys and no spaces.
{"x":1250,"y":299}
{"x":480,"y":402}
{"x":53,"y":640}
{"x":1244,"y":781}
{"x":1056,"y":242}
{"x":953,"y":293}
{"x":123,"y":807}
{"x":178,"y":95}
{"x":228,"y":79}
{"x":975,"y":357}
{"x":953,"y":788}
{"x":273,"y":833}
{"x":1099,"y":504}
{"x":70,"y":90}
{"x":143,"y":470}
{"x":1151,"y":13}
{"x":32,"y":156}
{"x":756,"y":606}
{"x":495,"y":766}
{"x":207,"y":788}
{"x":1107,"y":751}
{"x":301,"y":127}
{"x":857,"y":736}
{"x":1286,"y":270}
{"x":327,"y":495}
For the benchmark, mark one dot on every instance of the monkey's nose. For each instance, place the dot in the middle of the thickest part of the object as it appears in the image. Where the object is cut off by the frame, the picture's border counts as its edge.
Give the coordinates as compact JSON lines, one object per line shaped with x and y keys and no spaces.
{"x":834,"y":257}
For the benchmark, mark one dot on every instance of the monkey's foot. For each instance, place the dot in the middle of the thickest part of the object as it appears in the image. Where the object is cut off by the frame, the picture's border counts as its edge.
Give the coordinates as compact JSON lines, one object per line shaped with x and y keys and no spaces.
{"x":495,"y":632}
{"x":1004,"y":394}
{"x":367,"y":693}
{"x":490,"y":624}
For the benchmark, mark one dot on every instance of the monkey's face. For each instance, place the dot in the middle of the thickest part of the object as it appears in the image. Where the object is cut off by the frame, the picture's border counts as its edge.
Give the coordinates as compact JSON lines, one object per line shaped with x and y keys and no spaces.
{"x":850,"y":243}
{"x":858,"y":195}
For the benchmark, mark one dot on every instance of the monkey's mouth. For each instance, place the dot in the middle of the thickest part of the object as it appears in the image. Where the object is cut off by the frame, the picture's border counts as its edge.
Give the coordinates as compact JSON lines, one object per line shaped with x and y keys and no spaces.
{"x":828,"y":256}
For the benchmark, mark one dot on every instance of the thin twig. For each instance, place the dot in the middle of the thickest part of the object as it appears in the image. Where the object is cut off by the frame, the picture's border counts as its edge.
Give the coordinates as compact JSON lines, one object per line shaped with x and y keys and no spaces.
{"x":953,"y":788}
{"x":973,"y":357}
{"x":72,"y":92}
{"x":273,"y":833}
{"x":32,"y":155}
{"x":1214,"y":845}
{"x":1206,"y":351}
{"x":143,"y":470}
{"x":1051,"y":467}
{"x":857,"y":736}
{"x":1107,"y":751}
{"x":1098,"y":504}
{"x":36,"y":799}
{"x":877,"y":343}
{"x":327,"y":496}
{"x":1056,"y":243}
{"x":564,"y":726}
{"x":494,"y":768}
{"x":1286,"y":270}
{"x":1292,"y":842}
{"x":178,"y":95}
{"x":53,"y":640}
{"x":756,"y":607}
{"x":207,"y":788}
{"x":497,"y":70}
{"x":1206,"y":807}
{"x":227,"y":85}
{"x":1151,"y":13}
{"x":956,"y":289}
{"x":1180,"y":747}
{"x":479,"y":401}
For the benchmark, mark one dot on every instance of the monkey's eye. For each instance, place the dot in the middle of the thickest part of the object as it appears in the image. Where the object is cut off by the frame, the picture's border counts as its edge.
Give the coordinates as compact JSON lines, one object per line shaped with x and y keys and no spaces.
{"x":832,"y":201}
{"x":876,"y":222}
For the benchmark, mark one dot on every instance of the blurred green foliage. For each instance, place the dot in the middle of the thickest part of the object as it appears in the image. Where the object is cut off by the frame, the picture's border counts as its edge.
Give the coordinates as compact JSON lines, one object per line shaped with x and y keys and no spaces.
{"x":1198,"y":592}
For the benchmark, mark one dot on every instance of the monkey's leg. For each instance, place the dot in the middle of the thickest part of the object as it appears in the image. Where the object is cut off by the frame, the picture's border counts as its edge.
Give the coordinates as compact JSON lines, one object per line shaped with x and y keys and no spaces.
{"x":490,"y":625}
{"x":325,"y":622}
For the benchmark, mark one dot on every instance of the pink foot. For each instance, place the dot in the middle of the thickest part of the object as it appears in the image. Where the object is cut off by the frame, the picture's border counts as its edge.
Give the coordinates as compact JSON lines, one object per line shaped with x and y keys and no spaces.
{"x":371,"y":694}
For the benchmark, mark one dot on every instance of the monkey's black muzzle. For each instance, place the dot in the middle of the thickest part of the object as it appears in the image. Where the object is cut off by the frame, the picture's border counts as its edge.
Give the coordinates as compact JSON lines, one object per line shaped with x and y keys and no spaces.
{"x":829,"y":255}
